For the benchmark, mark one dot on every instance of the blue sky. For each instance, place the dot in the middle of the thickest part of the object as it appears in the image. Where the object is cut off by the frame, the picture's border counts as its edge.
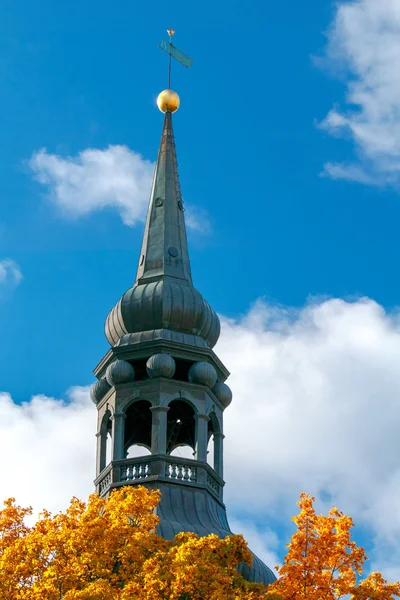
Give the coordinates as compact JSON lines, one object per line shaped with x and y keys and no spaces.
{"x":287,"y":140}
{"x":249,"y":150}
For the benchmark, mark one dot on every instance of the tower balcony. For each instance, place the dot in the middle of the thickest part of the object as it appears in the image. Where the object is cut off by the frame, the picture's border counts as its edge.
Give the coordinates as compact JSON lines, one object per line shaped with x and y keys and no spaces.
{"x":150,"y":469}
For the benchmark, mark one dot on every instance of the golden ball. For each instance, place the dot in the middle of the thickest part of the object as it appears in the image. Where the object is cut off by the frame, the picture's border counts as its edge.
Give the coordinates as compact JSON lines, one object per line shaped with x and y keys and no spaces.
{"x":168,"y":100}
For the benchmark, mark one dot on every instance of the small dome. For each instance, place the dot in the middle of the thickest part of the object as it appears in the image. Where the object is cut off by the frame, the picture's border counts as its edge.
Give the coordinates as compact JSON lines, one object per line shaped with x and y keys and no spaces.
{"x":98,"y":390}
{"x":204,"y":373}
{"x":223,"y":392}
{"x":160,"y":365}
{"x":120,"y":371}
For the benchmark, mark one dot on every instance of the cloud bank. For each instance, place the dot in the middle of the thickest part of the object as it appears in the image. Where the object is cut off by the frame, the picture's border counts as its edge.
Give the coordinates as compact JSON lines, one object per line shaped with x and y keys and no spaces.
{"x":316,"y":407}
{"x":115,"y":177}
{"x":364,"y":47}
{"x":48,"y":449}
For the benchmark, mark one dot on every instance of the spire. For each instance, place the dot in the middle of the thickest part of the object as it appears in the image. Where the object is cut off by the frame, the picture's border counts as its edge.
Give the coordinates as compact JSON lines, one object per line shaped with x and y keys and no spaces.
{"x":162,"y":303}
{"x":164,"y":249}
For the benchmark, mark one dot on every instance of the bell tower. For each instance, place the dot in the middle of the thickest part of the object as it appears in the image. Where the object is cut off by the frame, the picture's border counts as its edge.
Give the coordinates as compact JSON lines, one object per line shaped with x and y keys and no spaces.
{"x":161,"y":386}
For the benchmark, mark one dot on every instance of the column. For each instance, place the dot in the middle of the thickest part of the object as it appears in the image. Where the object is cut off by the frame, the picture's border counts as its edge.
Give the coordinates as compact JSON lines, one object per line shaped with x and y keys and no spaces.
{"x":219,"y":454}
{"x":159,"y":429}
{"x":118,"y":437}
{"x":201,"y":437}
{"x":100,"y":453}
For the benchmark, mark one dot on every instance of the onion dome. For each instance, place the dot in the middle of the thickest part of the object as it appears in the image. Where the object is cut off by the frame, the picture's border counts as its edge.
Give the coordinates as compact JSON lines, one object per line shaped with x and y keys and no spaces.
{"x":160,"y":365}
{"x":223,"y":392}
{"x":120,"y":371}
{"x":163,"y":298}
{"x":98,"y":390}
{"x":203,"y":373}
{"x":163,"y":304}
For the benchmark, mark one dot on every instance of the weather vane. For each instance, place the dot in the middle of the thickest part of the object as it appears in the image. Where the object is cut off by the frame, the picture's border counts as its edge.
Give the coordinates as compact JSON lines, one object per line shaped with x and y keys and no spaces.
{"x":168,"y":100}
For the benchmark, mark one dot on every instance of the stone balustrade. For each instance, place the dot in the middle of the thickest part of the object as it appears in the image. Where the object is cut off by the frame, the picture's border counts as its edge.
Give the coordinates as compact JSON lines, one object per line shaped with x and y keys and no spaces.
{"x":183,"y":472}
{"x":159,"y":467}
{"x":136,"y":470}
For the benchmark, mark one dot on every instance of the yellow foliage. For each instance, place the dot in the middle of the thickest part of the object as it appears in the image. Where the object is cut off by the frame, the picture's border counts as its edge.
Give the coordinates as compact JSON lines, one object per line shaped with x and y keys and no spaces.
{"x":109,"y":550}
{"x":322,"y":562}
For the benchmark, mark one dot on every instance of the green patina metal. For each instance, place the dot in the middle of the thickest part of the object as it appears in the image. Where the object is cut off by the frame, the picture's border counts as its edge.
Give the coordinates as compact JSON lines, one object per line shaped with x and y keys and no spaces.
{"x":173,"y":51}
{"x":162,"y":403}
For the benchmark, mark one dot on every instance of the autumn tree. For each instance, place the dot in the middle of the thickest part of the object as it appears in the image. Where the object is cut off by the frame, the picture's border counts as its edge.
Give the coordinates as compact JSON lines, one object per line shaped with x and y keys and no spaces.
{"x":108,"y":549}
{"x":322,"y":562}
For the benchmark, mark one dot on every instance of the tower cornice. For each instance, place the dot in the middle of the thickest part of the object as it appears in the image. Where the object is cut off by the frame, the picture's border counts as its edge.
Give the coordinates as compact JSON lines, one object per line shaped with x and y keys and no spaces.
{"x":145,"y":349}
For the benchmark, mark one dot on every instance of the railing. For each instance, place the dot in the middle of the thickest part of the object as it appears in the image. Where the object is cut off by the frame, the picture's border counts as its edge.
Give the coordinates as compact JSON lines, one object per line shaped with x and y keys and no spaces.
{"x":105,"y":483}
{"x":212,"y":482}
{"x":184,"y":472}
{"x":135,"y":471}
{"x":160,"y":468}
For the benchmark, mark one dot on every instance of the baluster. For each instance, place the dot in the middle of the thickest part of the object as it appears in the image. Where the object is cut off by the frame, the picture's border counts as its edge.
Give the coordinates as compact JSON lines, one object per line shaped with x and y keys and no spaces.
{"x":186,"y":473}
{"x":168,"y":470}
{"x":130,"y":472}
{"x":123,"y":474}
{"x":179,"y":469}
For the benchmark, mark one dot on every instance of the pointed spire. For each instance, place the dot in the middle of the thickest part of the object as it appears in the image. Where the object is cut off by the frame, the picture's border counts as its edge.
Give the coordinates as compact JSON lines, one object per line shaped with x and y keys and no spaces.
{"x":162,"y":303}
{"x":164,"y":248}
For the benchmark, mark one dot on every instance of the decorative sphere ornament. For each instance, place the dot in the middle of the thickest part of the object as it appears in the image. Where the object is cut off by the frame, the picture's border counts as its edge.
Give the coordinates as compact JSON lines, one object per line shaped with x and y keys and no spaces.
{"x":168,"y":100}
{"x":120,"y":371}
{"x":160,"y":365}
{"x":98,"y":390}
{"x":204,"y":373}
{"x":223,"y":392}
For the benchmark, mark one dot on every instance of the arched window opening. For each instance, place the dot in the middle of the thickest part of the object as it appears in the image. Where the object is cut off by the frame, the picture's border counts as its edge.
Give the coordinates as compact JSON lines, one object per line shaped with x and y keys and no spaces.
{"x":183,"y":451}
{"x":105,"y":440}
{"x":137,"y":450}
{"x":180,"y":427}
{"x":210,"y":444}
{"x":109,"y":443}
{"x":137,"y":437}
{"x":214,"y":448}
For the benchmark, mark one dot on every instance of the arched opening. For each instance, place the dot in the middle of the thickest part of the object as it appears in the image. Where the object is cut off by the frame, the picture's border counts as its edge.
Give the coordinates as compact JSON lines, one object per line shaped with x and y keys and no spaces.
{"x":183,"y":451}
{"x":137,"y":450}
{"x":137,"y":434}
{"x":109,"y":443}
{"x":180,"y":429}
{"x":214,"y":445}
{"x":105,"y":440}
{"x":210,"y":444}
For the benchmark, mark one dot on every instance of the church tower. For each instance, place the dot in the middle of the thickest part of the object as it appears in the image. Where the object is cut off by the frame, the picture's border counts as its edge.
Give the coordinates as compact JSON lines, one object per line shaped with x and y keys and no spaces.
{"x":161,"y":386}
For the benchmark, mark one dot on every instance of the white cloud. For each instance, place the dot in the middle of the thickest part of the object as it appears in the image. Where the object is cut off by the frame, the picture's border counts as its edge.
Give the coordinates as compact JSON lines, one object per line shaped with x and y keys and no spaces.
{"x":48,"y":449}
{"x":116,"y":177}
{"x":364,"y":45}
{"x":10,"y":273}
{"x":94,"y":179}
{"x":316,"y":407}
